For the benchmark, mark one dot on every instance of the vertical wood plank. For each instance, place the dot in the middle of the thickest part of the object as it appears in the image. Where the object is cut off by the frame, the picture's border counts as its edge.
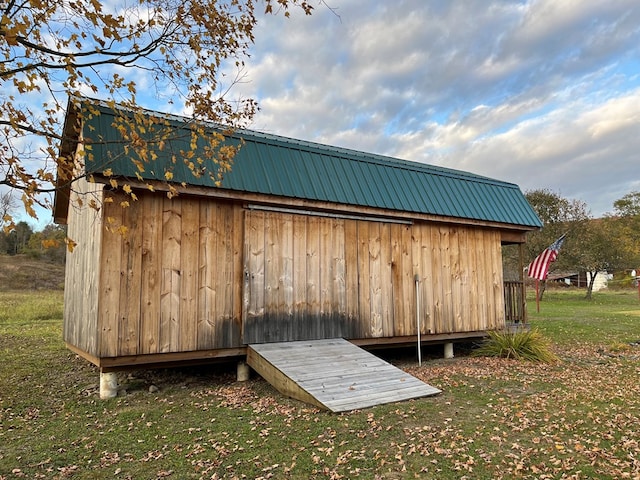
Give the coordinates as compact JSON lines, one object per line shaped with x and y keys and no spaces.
{"x":326,"y":278}
{"x":230,"y":277}
{"x":397,"y":298}
{"x":207,"y":255}
{"x":430,"y":300}
{"x":189,"y":247}
{"x":417,"y":268}
{"x":81,"y":311}
{"x":224,"y":271}
{"x":273,"y":294}
{"x":352,"y":288}
{"x":339,"y":292}
{"x":130,"y":281}
{"x":487,"y":279}
{"x":313,"y":277}
{"x":445,"y":266}
{"x":234,"y":338}
{"x":472,"y":259}
{"x":255,"y":239}
{"x":493,"y":299}
{"x":465,"y":280}
{"x":408,"y":296}
{"x":110,"y":282}
{"x":375,"y":279}
{"x":151,"y":268}
{"x":386,"y":280}
{"x":364,"y":297}
{"x":258,"y":259}
{"x":437,"y":290}
{"x":170,"y":288}
{"x":455,"y":319}
{"x":285,"y":313}
{"x":300,"y":307}
{"x":495,"y":248}
{"x":482,"y":279}
{"x":223,"y":276}
{"x":402,"y":295}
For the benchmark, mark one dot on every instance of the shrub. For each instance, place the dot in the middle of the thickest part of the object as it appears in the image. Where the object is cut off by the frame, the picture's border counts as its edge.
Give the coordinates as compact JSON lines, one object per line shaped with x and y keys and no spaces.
{"x":520,"y":344}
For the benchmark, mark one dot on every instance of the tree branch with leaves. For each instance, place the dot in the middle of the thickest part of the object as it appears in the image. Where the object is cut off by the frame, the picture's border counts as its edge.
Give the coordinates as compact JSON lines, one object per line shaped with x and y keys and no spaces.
{"x":54,"y":50}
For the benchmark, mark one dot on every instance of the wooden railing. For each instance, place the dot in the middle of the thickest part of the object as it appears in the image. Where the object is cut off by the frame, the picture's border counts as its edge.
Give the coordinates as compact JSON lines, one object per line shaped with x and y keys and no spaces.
{"x":514,"y":302}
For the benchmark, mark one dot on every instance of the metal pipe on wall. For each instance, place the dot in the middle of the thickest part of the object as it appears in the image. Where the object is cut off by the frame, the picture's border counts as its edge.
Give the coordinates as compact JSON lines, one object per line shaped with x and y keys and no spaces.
{"x":416,"y":278}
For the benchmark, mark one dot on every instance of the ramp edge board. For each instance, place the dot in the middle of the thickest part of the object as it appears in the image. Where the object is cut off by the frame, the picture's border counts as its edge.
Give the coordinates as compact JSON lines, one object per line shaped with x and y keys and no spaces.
{"x":333,"y":374}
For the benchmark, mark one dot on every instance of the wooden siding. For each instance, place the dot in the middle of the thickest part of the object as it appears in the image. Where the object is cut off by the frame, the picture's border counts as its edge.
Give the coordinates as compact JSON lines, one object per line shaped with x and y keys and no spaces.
{"x":81,"y":285}
{"x":310,"y":277}
{"x":172,"y":282}
{"x":195,"y":274}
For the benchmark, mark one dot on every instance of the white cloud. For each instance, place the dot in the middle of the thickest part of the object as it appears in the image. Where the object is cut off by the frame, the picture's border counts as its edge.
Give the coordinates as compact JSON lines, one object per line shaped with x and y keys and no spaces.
{"x":542,"y":93}
{"x":586,"y":151}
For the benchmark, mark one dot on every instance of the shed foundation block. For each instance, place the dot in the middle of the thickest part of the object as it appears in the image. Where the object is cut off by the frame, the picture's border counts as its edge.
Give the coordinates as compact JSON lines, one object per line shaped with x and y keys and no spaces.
{"x":243,"y":372}
{"x":108,"y":385}
{"x":448,"y":350}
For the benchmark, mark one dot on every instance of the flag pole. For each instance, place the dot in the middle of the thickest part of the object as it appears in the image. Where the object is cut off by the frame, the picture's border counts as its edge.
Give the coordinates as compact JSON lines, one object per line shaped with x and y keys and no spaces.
{"x":537,"y":295}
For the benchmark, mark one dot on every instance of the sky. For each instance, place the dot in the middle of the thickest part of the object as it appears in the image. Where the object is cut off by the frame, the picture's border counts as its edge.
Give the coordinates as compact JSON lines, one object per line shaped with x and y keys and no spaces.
{"x":541,"y":93}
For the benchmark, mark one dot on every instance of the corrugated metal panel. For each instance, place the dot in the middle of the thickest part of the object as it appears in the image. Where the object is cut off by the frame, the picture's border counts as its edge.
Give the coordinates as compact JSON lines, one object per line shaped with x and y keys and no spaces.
{"x":274,"y":165}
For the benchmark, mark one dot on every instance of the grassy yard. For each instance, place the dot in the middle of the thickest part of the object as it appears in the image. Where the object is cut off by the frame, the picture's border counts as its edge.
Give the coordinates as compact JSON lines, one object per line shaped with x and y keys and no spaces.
{"x":496,"y":418}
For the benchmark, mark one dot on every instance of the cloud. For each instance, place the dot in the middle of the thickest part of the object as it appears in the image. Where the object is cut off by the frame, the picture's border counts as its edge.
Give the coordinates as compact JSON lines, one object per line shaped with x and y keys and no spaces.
{"x":540,"y":93}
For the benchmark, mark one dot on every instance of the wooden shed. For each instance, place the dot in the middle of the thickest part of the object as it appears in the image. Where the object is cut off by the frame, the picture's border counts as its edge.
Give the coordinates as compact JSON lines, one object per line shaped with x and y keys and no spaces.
{"x":301,"y":241}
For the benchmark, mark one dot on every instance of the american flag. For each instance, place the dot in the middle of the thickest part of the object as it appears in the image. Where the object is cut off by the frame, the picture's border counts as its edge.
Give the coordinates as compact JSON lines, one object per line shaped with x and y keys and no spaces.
{"x":539,"y":268}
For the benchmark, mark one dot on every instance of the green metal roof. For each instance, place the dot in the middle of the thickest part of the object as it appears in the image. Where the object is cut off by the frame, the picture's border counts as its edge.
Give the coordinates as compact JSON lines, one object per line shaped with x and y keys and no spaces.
{"x":274,"y":165}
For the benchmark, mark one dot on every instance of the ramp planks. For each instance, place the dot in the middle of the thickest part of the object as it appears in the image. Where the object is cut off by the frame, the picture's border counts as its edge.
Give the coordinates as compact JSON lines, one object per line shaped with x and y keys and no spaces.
{"x":333,"y":374}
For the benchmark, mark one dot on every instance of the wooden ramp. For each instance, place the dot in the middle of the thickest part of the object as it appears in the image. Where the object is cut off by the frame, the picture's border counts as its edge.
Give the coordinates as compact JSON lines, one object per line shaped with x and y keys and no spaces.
{"x":333,"y":374}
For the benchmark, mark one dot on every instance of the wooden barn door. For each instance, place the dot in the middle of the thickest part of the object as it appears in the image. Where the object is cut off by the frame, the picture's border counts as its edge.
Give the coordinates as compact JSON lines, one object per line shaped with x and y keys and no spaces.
{"x":294,"y":278}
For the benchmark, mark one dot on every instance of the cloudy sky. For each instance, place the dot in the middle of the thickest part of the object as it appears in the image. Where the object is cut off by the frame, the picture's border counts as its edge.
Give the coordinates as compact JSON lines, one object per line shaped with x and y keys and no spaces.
{"x":542,"y":93}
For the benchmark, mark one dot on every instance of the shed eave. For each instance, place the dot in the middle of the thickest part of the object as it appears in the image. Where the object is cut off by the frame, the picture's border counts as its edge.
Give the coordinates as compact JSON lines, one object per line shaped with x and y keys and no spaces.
{"x":161,"y":188}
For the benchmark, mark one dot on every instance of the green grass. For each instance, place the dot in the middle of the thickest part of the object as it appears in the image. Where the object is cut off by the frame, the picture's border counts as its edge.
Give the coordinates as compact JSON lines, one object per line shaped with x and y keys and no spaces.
{"x":496,"y":417}
{"x":567,"y":317}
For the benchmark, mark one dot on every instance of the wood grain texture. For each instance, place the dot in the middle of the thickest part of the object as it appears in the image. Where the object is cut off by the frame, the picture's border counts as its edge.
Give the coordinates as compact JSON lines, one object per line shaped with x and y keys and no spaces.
{"x":111,"y":270}
{"x":207,"y":272}
{"x":195,"y":274}
{"x":171,"y":277}
{"x":334,"y":374}
{"x":82,"y":281}
{"x":130,"y":281}
{"x":189,"y":249}
{"x":151,"y":274}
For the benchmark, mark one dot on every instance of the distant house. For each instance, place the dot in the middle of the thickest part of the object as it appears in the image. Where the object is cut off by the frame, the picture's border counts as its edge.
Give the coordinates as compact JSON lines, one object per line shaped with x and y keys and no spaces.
{"x":581,"y":279}
{"x":300,"y":241}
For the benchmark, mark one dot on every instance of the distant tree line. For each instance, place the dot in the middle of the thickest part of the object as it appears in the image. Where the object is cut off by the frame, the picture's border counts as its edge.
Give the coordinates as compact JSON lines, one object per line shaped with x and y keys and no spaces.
{"x":47,"y":244}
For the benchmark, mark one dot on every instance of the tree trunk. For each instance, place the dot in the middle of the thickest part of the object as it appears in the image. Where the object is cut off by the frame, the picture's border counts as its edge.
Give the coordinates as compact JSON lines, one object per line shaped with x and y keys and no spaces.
{"x":541,"y":288}
{"x":590,"y":283}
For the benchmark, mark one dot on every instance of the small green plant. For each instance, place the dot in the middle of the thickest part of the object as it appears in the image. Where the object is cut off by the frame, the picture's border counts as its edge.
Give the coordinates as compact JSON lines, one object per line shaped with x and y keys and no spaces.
{"x":528,"y":345}
{"x":619,"y":347}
